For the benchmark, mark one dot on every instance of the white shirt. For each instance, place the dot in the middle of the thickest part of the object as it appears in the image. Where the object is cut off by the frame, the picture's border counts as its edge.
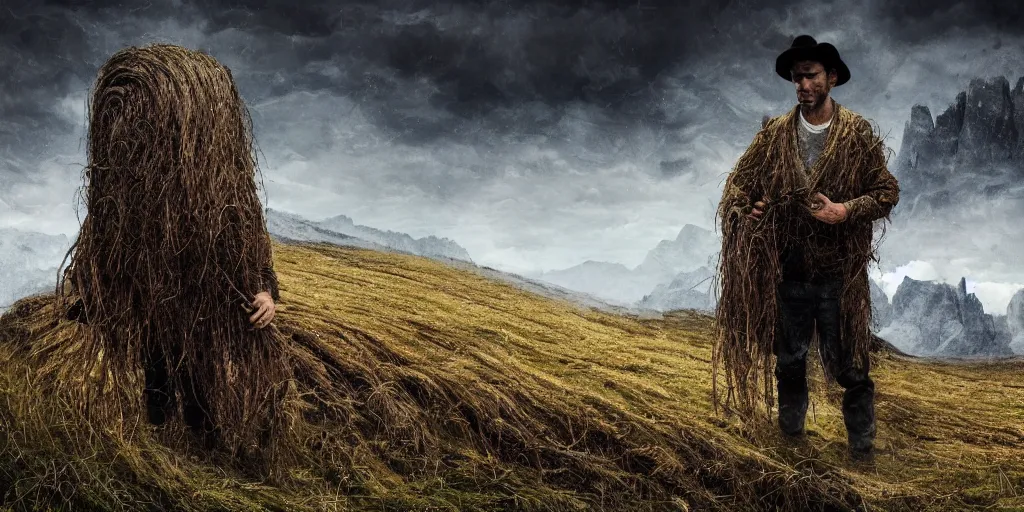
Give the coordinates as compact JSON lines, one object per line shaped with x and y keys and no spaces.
{"x":812,"y":139}
{"x":814,"y":128}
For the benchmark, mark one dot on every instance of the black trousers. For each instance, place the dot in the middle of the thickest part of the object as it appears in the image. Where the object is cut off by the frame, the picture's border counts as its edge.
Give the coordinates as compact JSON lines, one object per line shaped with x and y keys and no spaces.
{"x":805,"y":305}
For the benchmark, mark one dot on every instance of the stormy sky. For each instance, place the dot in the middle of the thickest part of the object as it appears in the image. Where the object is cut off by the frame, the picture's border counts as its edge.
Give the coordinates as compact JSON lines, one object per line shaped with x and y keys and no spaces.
{"x":535,"y":134}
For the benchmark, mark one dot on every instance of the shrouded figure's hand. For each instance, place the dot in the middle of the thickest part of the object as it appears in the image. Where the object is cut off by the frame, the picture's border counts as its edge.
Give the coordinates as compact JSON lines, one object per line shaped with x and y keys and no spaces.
{"x":826,"y":211}
{"x":758,"y":210}
{"x":265,"y":309}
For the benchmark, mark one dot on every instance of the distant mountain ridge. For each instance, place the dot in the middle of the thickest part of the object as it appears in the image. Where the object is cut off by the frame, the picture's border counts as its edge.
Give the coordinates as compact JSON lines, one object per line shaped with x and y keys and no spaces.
{"x":694,"y":247}
{"x":341,"y":230}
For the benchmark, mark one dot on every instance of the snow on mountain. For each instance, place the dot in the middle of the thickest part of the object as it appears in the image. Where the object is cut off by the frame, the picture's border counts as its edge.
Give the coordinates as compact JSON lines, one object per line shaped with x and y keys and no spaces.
{"x":694,"y":247}
{"x":340,"y":230}
{"x":426,"y":246}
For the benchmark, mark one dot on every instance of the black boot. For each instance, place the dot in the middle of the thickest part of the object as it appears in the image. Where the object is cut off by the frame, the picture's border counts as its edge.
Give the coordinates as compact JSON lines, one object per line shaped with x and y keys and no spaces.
{"x":859,"y":412}
{"x":792,"y":406}
{"x":859,"y":394}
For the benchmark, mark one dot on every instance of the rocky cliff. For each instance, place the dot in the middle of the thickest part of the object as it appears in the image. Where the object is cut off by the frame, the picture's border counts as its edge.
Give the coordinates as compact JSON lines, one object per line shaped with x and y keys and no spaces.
{"x":1015,"y":322}
{"x":881,"y":309}
{"x":972,"y":150}
{"x":936,"y":319}
{"x":689,"y":290}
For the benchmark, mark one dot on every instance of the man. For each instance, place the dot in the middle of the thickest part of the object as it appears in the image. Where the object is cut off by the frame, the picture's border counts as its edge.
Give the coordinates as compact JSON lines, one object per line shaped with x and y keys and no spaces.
{"x":797,"y":221}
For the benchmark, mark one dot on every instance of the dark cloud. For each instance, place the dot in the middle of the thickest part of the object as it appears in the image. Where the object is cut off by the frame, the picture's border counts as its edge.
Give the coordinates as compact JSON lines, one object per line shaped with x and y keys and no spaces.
{"x":474,"y":57}
{"x":287,"y":17}
{"x":481,"y":55}
{"x":926,"y":20}
{"x":425,"y":71}
{"x":40,"y":54}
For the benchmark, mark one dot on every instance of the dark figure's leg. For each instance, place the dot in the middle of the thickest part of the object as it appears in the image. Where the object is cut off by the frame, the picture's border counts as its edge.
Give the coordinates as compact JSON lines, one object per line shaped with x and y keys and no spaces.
{"x":162,"y":396}
{"x":195,"y":408}
{"x":859,"y":395}
{"x":796,"y":310}
{"x":159,"y":395}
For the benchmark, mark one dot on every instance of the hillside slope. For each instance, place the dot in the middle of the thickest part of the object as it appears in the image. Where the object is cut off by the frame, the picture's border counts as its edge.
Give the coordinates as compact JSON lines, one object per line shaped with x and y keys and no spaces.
{"x":468,"y":393}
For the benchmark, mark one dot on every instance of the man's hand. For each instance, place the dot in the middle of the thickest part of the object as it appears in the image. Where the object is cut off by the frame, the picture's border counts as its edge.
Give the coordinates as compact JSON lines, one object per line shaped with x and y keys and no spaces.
{"x":265,"y":309}
{"x":758,"y":210}
{"x":826,"y":211}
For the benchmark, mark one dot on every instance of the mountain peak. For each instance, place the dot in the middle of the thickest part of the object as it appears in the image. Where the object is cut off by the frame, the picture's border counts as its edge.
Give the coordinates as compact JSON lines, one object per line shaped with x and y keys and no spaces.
{"x":974,"y":148}
{"x":998,"y":82}
{"x":921,"y":118}
{"x":938,"y":319}
{"x":690,"y":232}
{"x":345,"y":224}
{"x":988,"y":133}
{"x":952,"y":119}
{"x":339,"y":219}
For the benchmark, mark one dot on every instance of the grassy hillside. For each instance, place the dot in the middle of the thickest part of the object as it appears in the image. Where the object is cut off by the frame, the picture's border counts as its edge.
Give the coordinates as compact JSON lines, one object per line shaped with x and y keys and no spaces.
{"x":470,"y":394}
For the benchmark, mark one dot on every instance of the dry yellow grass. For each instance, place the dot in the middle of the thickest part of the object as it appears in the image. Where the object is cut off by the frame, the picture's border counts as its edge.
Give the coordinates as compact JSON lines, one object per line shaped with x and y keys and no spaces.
{"x":484,"y":391}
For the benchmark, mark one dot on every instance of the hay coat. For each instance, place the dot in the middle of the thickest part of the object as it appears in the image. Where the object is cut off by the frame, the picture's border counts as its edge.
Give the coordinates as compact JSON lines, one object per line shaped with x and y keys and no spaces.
{"x":172,"y":250}
{"x":851,"y":169}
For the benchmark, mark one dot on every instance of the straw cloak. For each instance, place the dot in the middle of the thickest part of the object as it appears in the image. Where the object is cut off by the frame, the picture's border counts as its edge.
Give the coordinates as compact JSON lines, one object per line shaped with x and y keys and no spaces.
{"x":173,"y":249}
{"x":851,"y":170}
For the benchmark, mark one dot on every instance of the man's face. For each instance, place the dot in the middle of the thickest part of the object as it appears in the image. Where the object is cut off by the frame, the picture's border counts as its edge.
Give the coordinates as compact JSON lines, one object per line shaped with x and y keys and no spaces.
{"x":812,"y":83}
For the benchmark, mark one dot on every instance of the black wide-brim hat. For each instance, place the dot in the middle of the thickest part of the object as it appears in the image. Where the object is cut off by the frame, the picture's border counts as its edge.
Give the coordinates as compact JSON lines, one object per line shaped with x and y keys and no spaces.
{"x":806,"y":48}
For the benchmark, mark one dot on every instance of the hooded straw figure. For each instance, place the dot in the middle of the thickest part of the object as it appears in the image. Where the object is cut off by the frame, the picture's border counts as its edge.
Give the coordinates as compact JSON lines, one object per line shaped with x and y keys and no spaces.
{"x":797,"y":217}
{"x":171,"y":274}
